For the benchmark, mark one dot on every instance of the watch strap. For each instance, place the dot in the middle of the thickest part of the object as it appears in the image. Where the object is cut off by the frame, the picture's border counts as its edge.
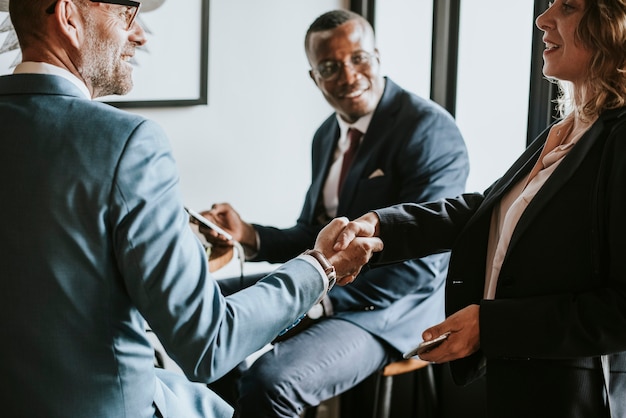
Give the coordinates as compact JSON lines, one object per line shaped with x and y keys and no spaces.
{"x":328,"y":268}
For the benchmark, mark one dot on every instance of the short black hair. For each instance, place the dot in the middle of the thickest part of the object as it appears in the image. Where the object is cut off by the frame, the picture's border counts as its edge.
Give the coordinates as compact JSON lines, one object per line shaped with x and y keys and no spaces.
{"x":330,"y":20}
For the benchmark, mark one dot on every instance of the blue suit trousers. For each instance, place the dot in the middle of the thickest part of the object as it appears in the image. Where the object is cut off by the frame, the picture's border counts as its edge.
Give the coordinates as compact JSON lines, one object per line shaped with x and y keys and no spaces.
{"x":285,"y":381}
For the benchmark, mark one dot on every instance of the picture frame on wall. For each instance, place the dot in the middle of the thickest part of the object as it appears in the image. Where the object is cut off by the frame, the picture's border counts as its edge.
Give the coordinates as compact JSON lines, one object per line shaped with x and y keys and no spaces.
{"x":171,"y":69}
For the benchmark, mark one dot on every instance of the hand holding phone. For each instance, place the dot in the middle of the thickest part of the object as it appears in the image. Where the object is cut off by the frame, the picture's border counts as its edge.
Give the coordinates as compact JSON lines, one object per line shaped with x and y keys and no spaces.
{"x":205,"y":222}
{"x":426,"y":346}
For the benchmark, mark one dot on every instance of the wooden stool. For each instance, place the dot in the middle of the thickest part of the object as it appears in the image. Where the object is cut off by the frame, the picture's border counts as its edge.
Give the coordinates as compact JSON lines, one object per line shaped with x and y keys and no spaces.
{"x":384,"y":385}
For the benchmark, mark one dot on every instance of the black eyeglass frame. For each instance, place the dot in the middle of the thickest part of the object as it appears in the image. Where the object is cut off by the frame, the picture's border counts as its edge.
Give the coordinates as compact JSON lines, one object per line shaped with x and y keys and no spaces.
{"x":319,"y":69}
{"x":130,"y":3}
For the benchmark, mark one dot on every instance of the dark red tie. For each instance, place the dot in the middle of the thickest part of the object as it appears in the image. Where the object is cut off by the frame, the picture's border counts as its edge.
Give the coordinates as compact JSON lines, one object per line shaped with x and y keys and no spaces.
{"x":354,"y":135}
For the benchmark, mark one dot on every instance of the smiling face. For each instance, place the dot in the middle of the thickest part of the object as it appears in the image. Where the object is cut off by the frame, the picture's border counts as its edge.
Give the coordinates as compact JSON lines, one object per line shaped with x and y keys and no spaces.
{"x":565,"y":57}
{"x":107,"y":52}
{"x":357,"y":86}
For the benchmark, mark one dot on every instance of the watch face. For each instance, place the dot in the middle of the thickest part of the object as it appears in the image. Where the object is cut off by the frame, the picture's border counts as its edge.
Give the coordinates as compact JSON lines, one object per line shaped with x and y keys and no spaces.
{"x":317,"y":311}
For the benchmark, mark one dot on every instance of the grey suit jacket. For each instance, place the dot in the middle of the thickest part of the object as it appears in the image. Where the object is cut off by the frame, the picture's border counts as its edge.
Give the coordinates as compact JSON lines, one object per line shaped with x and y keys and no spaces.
{"x":421,"y":153}
{"x":94,"y":241}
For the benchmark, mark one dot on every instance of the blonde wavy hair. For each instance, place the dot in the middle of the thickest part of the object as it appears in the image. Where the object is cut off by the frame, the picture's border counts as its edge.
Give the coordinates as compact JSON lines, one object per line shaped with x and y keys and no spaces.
{"x":602,"y":30}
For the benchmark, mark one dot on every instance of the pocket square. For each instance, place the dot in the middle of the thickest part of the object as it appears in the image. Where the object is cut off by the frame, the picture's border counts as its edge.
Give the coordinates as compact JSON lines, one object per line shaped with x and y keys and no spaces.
{"x":376,"y":173}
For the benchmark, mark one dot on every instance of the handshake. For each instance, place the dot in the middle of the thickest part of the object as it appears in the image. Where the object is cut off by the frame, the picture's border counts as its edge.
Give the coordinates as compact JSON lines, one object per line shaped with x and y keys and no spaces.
{"x":347,"y":245}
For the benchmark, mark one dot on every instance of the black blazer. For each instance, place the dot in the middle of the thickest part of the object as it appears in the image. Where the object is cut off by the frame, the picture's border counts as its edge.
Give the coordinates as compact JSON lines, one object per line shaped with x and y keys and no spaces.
{"x":561,"y":295}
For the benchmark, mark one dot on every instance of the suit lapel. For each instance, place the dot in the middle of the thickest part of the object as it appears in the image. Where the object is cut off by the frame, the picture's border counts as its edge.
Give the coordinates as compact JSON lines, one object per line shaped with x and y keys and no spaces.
{"x":561,"y":175}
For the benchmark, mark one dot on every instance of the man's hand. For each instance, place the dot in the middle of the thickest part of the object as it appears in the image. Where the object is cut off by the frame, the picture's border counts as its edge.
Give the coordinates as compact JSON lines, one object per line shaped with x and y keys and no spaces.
{"x":365,"y":226}
{"x":349,"y":260}
{"x":227,"y":218}
{"x":464,"y":338}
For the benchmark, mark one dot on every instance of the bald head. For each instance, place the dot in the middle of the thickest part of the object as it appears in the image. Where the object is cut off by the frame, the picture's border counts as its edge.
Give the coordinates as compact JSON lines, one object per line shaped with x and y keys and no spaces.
{"x":28,"y":19}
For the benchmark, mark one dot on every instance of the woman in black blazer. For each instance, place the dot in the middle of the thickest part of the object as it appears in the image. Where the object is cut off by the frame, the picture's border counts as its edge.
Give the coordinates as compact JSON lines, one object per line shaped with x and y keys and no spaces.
{"x":536,"y":288}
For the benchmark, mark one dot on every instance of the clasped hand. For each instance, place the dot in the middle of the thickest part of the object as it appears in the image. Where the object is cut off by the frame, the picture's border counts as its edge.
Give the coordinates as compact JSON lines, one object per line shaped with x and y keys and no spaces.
{"x":347,"y":245}
{"x":348,"y":258}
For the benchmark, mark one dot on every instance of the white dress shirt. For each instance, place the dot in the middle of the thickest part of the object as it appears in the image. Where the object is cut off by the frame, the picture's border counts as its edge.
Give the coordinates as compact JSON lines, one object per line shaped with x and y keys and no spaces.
{"x":331,"y":198}
{"x":31,"y":67}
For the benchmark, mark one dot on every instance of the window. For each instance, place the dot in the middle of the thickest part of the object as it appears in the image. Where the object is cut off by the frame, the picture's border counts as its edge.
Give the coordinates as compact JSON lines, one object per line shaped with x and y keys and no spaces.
{"x":493,"y":85}
{"x":404,"y":34}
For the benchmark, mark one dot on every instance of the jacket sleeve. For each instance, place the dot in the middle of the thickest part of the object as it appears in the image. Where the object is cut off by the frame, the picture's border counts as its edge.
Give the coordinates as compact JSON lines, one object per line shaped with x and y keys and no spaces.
{"x":428,"y":228}
{"x":166,"y":274}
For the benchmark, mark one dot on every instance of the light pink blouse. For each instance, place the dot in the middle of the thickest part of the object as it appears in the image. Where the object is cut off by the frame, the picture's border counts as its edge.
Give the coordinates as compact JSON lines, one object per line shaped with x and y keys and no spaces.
{"x":508,"y":211}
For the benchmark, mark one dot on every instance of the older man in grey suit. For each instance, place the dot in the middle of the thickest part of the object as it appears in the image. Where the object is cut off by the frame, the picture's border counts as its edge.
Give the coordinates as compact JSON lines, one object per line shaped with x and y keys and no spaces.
{"x":95,"y":240}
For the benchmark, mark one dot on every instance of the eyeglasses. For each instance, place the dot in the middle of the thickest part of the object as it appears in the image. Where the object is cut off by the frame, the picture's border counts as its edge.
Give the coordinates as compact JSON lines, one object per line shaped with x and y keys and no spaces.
{"x":132,"y":8}
{"x":329,"y":70}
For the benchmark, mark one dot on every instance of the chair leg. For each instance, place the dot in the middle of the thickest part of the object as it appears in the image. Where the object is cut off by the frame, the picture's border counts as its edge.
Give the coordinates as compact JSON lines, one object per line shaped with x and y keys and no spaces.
{"x":428,"y":387}
{"x":425,"y":399}
{"x":382,"y":400}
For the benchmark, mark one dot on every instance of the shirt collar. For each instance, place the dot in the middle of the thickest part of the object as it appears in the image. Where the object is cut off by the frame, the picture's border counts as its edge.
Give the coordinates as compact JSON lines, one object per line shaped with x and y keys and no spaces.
{"x":361,"y":124}
{"x":31,"y":67}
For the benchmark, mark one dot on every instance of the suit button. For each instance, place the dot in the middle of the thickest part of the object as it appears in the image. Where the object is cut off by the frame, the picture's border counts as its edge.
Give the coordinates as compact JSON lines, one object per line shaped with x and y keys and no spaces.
{"x":369,"y":308}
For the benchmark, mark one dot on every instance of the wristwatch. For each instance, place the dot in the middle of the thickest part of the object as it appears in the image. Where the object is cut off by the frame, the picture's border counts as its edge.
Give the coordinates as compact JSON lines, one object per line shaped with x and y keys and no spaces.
{"x":328,"y":268}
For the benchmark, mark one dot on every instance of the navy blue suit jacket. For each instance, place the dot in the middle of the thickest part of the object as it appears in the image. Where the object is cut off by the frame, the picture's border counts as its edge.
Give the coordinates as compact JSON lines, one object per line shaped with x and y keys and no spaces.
{"x":421,"y":152}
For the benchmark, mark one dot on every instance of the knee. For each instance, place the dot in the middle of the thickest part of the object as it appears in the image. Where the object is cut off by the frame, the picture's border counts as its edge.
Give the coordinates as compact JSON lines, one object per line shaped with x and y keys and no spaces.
{"x":260,"y":383}
{"x":266,"y":392}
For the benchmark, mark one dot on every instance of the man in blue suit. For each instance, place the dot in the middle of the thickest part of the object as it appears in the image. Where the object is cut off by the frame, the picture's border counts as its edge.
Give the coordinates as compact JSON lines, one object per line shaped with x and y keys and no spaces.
{"x":410,"y":150}
{"x":95,"y":240}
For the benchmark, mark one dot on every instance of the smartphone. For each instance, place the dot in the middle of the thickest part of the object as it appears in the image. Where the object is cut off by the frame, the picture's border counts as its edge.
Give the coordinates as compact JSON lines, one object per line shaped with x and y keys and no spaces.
{"x":426,"y":346}
{"x":204,"y":221}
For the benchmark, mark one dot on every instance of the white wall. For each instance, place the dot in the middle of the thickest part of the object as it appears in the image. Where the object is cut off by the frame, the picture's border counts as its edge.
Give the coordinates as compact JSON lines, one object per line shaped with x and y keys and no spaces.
{"x":404,"y":35}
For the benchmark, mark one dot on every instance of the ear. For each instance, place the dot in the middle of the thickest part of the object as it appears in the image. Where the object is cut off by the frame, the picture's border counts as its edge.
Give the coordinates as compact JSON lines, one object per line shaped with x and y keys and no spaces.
{"x":377,"y":55}
{"x":312,"y":75}
{"x":70,"y":22}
